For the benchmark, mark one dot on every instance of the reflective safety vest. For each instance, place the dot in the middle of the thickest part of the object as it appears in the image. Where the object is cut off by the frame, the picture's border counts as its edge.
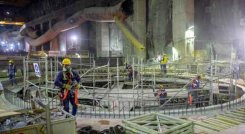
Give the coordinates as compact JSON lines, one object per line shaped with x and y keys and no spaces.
{"x":190,"y":99}
{"x":164,"y":60}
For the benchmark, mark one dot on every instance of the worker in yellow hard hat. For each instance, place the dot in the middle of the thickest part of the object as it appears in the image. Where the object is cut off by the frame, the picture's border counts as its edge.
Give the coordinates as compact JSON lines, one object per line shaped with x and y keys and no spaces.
{"x":164,"y":62}
{"x":12,"y":72}
{"x":68,"y":81}
{"x":11,"y":61}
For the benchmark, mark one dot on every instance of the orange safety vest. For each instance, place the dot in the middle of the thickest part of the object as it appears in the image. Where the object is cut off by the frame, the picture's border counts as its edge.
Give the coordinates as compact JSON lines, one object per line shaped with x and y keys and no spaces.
{"x":190,"y":99}
{"x":67,"y":91}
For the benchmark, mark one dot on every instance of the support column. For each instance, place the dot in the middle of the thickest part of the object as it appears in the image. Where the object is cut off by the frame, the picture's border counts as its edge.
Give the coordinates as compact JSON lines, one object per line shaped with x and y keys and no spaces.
{"x":102,"y":40}
{"x":41,"y":29}
{"x":139,"y":24}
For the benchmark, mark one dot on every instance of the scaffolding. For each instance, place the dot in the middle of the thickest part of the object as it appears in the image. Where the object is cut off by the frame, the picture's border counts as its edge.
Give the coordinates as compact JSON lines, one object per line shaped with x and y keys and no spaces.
{"x":110,"y":90}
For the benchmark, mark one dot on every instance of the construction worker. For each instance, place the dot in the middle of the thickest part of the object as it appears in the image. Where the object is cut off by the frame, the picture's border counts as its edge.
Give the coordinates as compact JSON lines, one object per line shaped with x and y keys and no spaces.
{"x":69,"y":82}
{"x":162,"y":94}
{"x":11,"y":72}
{"x":130,"y":73}
{"x":164,"y":62}
{"x":193,"y":93}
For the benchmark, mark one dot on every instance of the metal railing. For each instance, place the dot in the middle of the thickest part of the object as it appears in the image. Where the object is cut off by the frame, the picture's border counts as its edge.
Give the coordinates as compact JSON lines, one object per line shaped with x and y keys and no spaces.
{"x":113,"y":105}
{"x":127,"y":109}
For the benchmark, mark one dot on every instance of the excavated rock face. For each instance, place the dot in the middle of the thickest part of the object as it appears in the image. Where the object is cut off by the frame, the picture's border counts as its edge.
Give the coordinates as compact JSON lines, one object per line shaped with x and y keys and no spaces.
{"x":127,"y":7}
{"x":98,"y":14}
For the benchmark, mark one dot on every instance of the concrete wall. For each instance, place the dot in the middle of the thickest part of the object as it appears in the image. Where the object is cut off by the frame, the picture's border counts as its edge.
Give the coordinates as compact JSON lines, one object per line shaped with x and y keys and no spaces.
{"x":218,"y":22}
{"x":183,"y":18}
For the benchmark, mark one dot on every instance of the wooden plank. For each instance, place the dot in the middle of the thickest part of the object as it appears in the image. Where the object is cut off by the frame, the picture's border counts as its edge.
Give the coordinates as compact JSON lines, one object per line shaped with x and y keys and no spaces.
{"x":235,"y":119}
{"x":215,"y":124}
{"x":206,"y":126}
{"x":142,"y":117}
{"x":156,"y":122}
{"x":240,"y":112}
{"x":185,"y":130}
{"x":159,"y":125}
{"x":6,"y":114}
{"x":203,"y":130}
{"x":218,"y":123}
{"x":228,"y":120}
{"x":178,"y":127}
{"x":234,"y":116}
{"x":171,"y":118}
{"x":138,"y":127}
{"x":223,"y":122}
{"x":130,"y":130}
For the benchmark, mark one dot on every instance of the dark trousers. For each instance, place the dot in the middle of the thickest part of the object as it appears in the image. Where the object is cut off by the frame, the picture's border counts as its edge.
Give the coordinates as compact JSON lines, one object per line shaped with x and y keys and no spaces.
{"x":164,"y":68}
{"x":12,"y":79}
{"x":162,"y":100}
{"x":70,"y":98}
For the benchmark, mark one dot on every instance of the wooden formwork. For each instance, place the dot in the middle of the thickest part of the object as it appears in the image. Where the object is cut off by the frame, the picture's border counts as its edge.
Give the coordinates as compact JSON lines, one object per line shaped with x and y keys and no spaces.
{"x":221,"y":122}
{"x":155,"y":123}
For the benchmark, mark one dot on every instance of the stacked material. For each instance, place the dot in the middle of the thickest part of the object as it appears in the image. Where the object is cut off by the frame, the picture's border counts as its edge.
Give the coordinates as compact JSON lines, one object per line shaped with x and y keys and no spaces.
{"x":155,"y":123}
{"x":221,"y":122}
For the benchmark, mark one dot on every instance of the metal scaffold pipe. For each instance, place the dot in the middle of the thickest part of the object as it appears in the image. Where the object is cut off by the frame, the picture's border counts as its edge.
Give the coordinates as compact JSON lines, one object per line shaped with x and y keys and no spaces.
{"x":118,"y":78}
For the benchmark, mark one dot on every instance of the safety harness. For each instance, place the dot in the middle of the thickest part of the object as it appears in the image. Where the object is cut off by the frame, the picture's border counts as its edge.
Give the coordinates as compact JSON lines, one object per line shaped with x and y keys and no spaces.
{"x":190,"y":99}
{"x":68,"y":77}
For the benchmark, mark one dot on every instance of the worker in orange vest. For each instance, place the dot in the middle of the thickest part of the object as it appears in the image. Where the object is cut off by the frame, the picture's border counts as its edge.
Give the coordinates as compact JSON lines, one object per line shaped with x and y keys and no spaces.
{"x":162,"y":95}
{"x":193,"y":94}
{"x":69,"y":82}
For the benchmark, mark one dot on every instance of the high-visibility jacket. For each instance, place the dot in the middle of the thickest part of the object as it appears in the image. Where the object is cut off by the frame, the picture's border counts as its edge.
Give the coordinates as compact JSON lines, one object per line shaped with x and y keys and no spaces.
{"x":164,"y":60}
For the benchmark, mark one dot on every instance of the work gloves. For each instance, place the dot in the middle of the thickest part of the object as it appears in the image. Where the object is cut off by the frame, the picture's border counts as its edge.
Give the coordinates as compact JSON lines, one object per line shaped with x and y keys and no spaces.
{"x":78,"y":86}
{"x":68,"y":87}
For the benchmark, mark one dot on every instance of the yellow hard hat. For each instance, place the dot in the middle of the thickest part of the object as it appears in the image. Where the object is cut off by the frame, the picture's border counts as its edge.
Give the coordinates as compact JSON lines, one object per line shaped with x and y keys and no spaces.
{"x":11,"y":61}
{"x":161,"y":86}
{"x":66,"y":61}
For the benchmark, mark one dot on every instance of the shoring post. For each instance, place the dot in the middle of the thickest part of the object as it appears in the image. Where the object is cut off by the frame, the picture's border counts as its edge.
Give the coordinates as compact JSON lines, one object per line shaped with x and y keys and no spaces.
{"x":80,"y":60}
{"x":93,"y":83}
{"x":141,"y":81}
{"x":57,"y":64}
{"x":215,"y":65}
{"x":235,"y":94}
{"x":41,"y":68}
{"x":108,"y":75}
{"x":211,"y":79}
{"x":24,"y":71}
{"x":154,"y":78}
{"x":236,"y":77}
{"x":46,"y":76}
{"x":51,"y":69}
{"x":27,"y":72}
{"x":133,"y":76}
{"x":48,"y":120}
{"x":117,"y":78}
{"x":231,"y":74}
